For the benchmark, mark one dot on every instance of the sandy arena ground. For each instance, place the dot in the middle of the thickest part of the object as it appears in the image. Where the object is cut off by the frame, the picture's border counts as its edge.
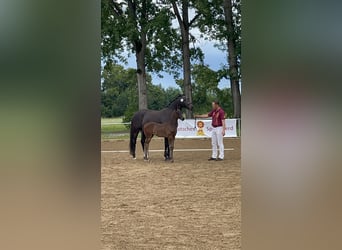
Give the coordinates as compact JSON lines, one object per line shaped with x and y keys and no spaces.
{"x":188,"y":204}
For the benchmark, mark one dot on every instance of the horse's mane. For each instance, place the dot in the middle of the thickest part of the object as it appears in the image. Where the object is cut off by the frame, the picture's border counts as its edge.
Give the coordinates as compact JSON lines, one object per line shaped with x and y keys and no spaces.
{"x":174,"y":100}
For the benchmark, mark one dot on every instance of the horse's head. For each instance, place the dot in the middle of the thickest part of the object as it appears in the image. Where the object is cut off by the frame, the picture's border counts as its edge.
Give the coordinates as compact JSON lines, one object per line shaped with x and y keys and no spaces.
{"x":179,"y":115}
{"x":181,"y":102}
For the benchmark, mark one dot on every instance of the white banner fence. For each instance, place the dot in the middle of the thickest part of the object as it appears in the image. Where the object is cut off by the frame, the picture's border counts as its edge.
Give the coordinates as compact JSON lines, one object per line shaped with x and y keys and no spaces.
{"x":199,"y":128}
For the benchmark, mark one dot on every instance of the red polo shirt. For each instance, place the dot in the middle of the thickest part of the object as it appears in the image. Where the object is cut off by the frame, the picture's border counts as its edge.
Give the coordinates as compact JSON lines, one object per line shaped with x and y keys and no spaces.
{"x":217,"y":116}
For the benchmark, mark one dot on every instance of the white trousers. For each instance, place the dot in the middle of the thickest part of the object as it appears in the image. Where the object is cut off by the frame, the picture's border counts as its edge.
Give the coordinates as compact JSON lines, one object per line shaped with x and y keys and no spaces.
{"x":217,"y":141}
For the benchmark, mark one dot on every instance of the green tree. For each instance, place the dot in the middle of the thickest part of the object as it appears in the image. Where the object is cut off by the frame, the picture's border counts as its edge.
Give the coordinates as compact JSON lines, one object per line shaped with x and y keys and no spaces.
{"x":225,"y":97}
{"x":171,"y":93}
{"x":205,"y":90}
{"x":119,"y":96}
{"x":159,"y":98}
{"x":233,"y":40}
{"x":117,"y":90}
{"x":221,"y":21}
{"x":143,"y":28}
{"x":185,"y":24}
{"x":204,"y":87}
{"x":183,"y":10}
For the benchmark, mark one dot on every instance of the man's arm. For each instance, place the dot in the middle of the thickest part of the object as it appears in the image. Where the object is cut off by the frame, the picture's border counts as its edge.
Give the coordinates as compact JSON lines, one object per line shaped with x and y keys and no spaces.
{"x":223,"y":127}
{"x":202,"y":116}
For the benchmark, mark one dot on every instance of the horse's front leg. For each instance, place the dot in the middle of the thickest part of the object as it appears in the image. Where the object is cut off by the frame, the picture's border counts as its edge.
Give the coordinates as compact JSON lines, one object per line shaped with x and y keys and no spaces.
{"x":167,"y":149}
{"x":145,"y":151}
{"x":172,"y":143}
{"x":146,"y":147}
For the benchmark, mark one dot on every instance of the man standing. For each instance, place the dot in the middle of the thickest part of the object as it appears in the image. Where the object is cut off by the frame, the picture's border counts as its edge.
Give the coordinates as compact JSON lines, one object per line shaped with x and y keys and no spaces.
{"x":219,"y":128}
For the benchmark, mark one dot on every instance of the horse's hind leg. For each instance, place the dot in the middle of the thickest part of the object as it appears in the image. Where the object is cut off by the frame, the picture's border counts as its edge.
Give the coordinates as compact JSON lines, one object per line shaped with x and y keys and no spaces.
{"x":143,"y":138}
{"x":133,"y":139}
{"x":167,"y":149}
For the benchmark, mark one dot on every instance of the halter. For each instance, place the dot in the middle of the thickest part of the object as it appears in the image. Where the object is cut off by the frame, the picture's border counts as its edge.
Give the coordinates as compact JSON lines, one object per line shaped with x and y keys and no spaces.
{"x":178,"y":101}
{"x":174,"y":100}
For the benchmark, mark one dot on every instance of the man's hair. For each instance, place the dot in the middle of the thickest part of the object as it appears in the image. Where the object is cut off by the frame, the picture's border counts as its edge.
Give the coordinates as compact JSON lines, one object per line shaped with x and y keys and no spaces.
{"x":216,"y":102}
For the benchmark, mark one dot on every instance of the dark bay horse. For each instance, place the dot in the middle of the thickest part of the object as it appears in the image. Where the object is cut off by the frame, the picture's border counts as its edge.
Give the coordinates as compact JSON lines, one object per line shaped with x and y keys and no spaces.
{"x":144,"y":116}
{"x":167,"y":130}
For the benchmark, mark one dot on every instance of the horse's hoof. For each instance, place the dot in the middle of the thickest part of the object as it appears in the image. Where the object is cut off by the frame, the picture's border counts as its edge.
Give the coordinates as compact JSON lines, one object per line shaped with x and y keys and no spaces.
{"x":134,"y":158}
{"x":171,"y":161}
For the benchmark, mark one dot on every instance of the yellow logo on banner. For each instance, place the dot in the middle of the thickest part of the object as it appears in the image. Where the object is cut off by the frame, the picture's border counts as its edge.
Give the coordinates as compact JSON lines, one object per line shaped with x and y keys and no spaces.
{"x":200,"y":126}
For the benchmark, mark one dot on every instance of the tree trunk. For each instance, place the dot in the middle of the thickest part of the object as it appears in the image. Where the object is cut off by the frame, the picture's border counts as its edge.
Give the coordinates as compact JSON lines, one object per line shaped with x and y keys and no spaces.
{"x":141,"y":71}
{"x":187,"y":74}
{"x":184,"y":25}
{"x":186,"y":56}
{"x":140,"y":43}
{"x":232,"y":59}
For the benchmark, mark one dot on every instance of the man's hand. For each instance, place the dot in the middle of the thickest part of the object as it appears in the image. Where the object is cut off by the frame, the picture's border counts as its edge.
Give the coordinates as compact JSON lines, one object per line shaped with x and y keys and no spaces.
{"x":223,"y":127}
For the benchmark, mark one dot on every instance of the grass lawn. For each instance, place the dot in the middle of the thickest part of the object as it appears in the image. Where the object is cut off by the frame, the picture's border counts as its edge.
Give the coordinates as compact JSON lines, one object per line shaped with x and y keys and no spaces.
{"x":113,"y":131}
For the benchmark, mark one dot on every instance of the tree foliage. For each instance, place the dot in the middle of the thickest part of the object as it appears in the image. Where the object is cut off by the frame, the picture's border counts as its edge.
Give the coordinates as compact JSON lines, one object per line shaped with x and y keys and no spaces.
{"x":117,"y":90}
{"x":221,"y":21}
{"x":119,"y":93}
{"x":182,"y":10}
{"x":212,"y":23}
{"x":143,"y":28}
{"x":205,"y":90}
{"x":121,"y":32}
